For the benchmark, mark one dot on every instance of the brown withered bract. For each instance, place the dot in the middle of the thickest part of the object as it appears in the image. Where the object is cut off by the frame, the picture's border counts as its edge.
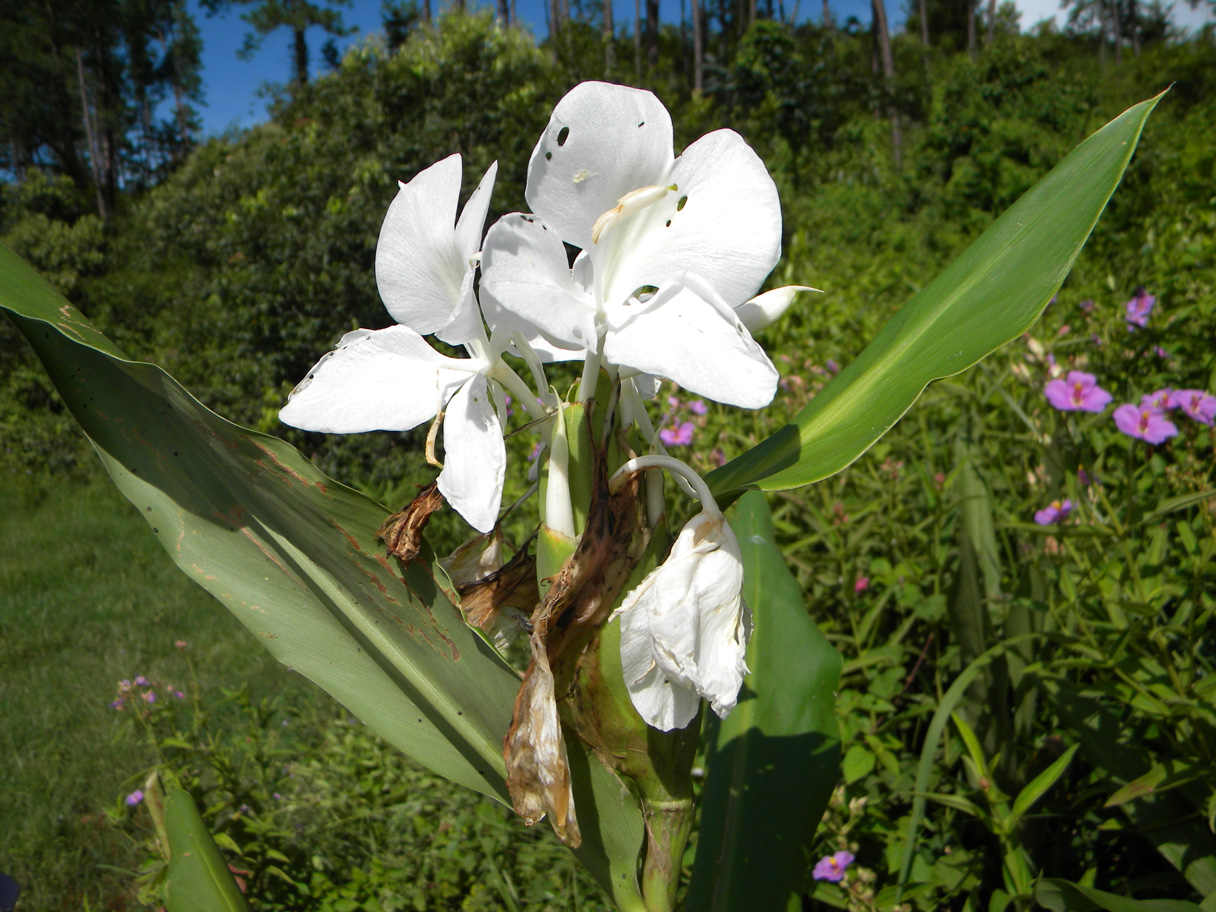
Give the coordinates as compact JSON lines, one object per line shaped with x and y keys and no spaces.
{"x":402,"y":532}
{"x":577,"y":603}
{"x":512,"y":585}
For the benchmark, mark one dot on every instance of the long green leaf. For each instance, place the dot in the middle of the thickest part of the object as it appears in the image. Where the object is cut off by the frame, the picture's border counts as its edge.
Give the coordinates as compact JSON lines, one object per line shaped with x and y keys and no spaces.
{"x":293,"y":555}
{"x":774,"y":761}
{"x":991,"y":294}
{"x":1062,"y":896}
{"x":198,"y":879}
{"x":1037,"y":788}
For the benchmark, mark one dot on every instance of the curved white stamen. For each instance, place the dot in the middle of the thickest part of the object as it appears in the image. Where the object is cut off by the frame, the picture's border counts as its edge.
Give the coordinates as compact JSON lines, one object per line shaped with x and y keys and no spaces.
{"x":672,"y":465}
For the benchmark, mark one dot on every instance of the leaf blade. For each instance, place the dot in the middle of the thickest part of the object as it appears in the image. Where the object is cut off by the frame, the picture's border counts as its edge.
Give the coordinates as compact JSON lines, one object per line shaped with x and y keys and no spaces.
{"x":991,"y":294}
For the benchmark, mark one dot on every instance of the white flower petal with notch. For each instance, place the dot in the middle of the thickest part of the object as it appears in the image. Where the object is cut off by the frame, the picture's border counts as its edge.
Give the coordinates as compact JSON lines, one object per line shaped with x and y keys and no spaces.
{"x":425,"y":257}
{"x":688,"y":334}
{"x":601,"y":142}
{"x":376,"y":380}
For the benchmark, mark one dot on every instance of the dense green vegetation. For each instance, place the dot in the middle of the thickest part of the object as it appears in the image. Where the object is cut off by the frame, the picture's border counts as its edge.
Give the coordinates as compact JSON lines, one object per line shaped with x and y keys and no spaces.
{"x":255,"y":254}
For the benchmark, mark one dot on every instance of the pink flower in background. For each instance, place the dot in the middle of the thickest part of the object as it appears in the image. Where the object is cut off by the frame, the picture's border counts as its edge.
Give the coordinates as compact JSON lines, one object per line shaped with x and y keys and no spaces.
{"x":1199,"y":405}
{"x":832,"y":366}
{"x":1139,"y":307}
{"x":1078,"y":393}
{"x":862,"y":584}
{"x":135,"y":798}
{"x":180,"y":644}
{"x":1055,"y":512}
{"x":677,"y":436}
{"x":718,"y":456}
{"x":1162,"y":400}
{"x":1087,"y":305}
{"x":1161,"y":352}
{"x":832,"y":867}
{"x":697,"y":407}
{"x":141,"y":681}
{"x":1147,"y":424}
{"x":536,"y":451}
{"x":179,"y":695}
{"x":150,"y":696}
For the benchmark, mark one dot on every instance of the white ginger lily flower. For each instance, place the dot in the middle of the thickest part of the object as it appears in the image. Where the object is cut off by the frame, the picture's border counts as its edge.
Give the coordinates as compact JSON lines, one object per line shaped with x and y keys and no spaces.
{"x":391,"y":379}
{"x":424,"y":265}
{"x":684,"y":629}
{"x":669,"y":245}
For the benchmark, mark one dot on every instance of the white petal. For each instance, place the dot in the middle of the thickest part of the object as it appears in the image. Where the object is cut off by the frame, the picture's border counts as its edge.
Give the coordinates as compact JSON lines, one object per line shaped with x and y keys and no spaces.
{"x":475,"y":457}
{"x":663,"y":701}
{"x":472,"y":222}
{"x":388,"y":379}
{"x":526,"y":284}
{"x":419,"y":267}
{"x":723,"y":222}
{"x":602,"y":141}
{"x":695,"y":340}
{"x":764,"y":310}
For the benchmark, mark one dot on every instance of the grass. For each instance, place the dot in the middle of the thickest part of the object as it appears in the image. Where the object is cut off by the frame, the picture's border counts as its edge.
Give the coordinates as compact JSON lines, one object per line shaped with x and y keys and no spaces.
{"x":87,"y":598}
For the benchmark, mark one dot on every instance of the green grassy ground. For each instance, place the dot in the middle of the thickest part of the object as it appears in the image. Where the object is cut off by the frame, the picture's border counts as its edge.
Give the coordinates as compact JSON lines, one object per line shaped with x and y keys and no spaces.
{"x":87,"y":598}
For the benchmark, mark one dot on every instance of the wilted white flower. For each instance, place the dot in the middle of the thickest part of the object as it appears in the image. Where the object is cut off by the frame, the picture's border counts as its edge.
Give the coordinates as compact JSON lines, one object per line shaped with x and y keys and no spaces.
{"x":684,"y":629}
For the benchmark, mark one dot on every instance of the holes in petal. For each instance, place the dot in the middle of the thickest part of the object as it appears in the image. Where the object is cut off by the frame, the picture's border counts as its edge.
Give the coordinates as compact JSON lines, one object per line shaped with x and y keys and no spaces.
{"x":562,"y":135}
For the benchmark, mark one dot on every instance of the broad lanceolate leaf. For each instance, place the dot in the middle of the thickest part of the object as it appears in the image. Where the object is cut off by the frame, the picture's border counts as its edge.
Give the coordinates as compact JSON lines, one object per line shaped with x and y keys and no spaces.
{"x":198,"y":878}
{"x":774,"y":761}
{"x":294,"y":556}
{"x":991,"y":294}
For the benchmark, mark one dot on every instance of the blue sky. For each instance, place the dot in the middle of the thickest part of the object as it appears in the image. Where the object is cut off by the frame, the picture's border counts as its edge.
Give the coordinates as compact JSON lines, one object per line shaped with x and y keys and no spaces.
{"x":232,"y":85}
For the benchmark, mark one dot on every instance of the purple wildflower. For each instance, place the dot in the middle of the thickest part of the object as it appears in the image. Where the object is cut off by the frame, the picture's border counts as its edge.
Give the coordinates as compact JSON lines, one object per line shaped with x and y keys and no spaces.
{"x":697,"y":407}
{"x":718,"y":456}
{"x":1055,"y":512}
{"x":832,"y":366}
{"x":536,"y":450}
{"x":1161,"y":352}
{"x":141,"y":681}
{"x":1199,"y":405}
{"x":1139,"y":307}
{"x":1162,"y":400}
{"x":116,"y":704}
{"x":1147,"y":424}
{"x":677,"y":436}
{"x":1078,"y":393}
{"x":135,"y":798}
{"x":177,"y":694}
{"x":1087,"y":305}
{"x":124,"y":686}
{"x":832,"y":867}
{"x":150,"y":696}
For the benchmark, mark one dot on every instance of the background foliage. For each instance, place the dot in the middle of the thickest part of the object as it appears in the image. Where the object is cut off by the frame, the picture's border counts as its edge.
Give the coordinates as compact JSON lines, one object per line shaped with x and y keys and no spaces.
{"x":236,"y":264}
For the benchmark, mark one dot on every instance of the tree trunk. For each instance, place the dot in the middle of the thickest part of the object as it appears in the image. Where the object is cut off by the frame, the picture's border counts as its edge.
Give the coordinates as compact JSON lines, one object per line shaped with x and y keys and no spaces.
{"x":827,"y":17}
{"x":1118,"y":31}
{"x":698,"y":48}
{"x":888,"y":73}
{"x":1102,"y":36}
{"x":1135,"y":24}
{"x":637,"y":38}
{"x":609,"y":39}
{"x":652,"y":34}
{"x":426,"y":10}
{"x":991,"y":23}
{"x":971,"y":28}
{"x":504,"y":12}
{"x":924,"y":37}
{"x":90,"y":133}
{"x":299,"y":53}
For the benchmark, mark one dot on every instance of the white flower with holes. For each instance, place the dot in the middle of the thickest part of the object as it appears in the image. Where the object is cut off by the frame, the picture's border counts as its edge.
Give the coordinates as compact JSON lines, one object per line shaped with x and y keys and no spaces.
{"x":391,"y":379}
{"x":669,"y":246}
{"x":684,"y":630}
